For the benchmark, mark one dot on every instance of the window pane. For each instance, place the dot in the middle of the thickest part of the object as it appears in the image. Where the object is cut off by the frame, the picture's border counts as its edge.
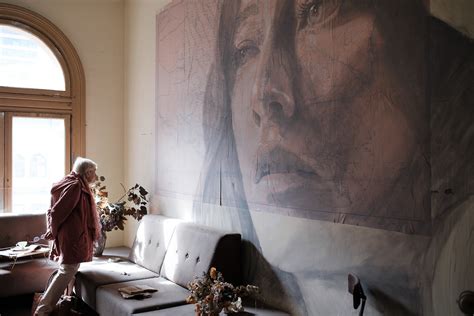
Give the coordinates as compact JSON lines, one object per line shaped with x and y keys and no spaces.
{"x":27,"y":62}
{"x":38,"y":153}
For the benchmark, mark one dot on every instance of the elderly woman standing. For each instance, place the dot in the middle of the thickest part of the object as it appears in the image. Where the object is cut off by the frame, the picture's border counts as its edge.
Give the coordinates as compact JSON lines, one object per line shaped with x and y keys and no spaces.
{"x":73,"y":225}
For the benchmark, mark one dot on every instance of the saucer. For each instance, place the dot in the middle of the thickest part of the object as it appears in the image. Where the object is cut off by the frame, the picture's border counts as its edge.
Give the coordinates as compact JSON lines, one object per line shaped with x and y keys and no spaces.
{"x":16,"y":248}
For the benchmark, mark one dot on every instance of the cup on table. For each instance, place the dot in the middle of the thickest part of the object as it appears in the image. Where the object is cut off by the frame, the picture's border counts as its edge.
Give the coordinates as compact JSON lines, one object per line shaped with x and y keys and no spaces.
{"x":21,"y":244}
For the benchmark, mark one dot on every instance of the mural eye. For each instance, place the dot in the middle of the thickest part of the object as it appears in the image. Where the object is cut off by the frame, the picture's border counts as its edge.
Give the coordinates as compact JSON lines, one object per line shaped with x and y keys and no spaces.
{"x":244,"y":51}
{"x":318,"y":11}
{"x":314,"y":14}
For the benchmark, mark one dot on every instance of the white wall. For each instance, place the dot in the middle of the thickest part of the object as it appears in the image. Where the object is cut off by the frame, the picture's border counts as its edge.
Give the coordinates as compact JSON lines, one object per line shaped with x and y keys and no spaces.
{"x":95,"y":28}
{"x":139,"y":110}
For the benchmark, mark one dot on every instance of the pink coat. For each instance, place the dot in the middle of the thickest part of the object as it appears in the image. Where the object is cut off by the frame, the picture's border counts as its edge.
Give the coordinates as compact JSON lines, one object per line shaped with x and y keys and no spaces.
{"x":72,"y":220}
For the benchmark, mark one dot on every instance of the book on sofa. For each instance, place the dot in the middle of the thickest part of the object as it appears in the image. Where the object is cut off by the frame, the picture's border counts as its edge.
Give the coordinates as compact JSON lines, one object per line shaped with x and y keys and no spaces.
{"x":136,"y":291}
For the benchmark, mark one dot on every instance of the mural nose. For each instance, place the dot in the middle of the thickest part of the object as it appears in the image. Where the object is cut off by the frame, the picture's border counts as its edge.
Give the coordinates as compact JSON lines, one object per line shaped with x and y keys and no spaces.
{"x":275,"y":112}
{"x":280,"y":108}
{"x":274,"y":102}
{"x":273,"y":99}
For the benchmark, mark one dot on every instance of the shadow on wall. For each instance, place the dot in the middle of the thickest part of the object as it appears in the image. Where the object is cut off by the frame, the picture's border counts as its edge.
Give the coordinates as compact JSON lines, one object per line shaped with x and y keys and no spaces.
{"x":388,"y":305}
{"x":326,"y":293}
{"x":449,"y":261}
{"x":281,"y":288}
{"x":450,"y":257}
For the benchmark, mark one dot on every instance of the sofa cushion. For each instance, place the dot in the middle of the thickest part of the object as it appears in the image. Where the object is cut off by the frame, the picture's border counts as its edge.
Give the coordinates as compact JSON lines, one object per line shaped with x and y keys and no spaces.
{"x":151,"y":240}
{"x":186,"y":310}
{"x":110,"y":302}
{"x":182,"y":310}
{"x":25,"y":276}
{"x":121,"y":252}
{"x":100,"y":272}
{"x":195,"y":249}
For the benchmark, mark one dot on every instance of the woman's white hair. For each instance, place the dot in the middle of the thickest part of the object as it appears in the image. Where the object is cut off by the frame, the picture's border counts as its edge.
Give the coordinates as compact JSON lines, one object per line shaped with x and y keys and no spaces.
{"x":81,"y":165}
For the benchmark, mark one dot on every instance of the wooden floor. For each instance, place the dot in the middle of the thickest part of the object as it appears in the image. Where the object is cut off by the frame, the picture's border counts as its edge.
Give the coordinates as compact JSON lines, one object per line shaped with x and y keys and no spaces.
{"x":21,"y":306}
{"x":16,"y":306}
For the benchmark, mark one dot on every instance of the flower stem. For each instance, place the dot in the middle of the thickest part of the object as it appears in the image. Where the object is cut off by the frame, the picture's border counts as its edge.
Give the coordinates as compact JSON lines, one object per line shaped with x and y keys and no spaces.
{"x":126,"y":192}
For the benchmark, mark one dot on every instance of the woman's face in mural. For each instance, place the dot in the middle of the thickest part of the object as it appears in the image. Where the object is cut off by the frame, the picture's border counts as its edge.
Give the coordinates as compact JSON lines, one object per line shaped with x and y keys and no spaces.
{"x":314,"y":126}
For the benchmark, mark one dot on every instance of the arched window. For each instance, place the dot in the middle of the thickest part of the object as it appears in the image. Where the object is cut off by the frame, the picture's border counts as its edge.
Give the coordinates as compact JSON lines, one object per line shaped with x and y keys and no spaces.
{"x":42,"y":110}
{"x":27,"y":62}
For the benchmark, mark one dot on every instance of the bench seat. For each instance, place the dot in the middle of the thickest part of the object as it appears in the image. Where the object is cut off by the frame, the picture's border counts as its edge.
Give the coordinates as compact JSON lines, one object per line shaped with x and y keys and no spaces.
{"x":169,"y":294}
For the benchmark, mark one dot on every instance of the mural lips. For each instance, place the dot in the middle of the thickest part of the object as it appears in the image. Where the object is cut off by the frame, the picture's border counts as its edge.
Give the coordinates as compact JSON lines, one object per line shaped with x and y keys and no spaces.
{"x":277,"y":160}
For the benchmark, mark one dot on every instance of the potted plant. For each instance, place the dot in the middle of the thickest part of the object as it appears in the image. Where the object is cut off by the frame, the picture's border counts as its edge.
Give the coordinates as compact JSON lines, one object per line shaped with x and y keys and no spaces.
{"x":112,"y":216}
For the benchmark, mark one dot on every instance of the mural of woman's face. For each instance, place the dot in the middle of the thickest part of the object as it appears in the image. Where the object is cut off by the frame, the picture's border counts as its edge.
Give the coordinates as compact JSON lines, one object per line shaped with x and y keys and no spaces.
{"x":315,"y":125}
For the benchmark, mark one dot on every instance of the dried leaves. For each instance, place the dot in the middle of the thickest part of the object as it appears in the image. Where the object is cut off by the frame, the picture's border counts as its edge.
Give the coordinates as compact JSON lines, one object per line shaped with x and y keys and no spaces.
{"x":211,"y":294}
{"x":112,"y":215}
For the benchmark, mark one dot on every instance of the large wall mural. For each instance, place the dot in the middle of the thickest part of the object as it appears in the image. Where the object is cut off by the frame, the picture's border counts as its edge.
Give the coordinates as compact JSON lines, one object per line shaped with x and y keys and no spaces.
{"x":314,"y":109}
{"x":270,"y":113}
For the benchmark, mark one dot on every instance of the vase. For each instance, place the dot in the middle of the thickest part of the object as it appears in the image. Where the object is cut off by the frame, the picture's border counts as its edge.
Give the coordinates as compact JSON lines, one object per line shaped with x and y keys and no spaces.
{"x":206,"y":314}
{"x":99,"y":245}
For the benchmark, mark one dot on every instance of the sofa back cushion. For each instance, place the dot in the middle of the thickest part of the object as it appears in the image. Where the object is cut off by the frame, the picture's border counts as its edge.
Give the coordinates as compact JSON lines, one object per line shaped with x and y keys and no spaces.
{"x":151,"y":241}
{"x":16,"y":227}
{"x":195,"y":249}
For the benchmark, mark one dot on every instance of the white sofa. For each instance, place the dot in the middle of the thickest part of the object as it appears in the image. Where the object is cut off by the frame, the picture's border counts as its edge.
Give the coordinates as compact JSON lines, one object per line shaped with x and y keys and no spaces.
{"x":167,"y":254}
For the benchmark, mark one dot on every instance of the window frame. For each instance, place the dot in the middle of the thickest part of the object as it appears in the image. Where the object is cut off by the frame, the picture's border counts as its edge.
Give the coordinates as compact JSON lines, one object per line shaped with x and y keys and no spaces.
{"x":36,"y":102}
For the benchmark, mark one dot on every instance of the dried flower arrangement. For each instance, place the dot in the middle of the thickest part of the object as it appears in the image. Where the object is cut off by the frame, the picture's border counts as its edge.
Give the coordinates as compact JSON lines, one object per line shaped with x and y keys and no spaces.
{"x":112,"y":215}
{"x":211,"y":294}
